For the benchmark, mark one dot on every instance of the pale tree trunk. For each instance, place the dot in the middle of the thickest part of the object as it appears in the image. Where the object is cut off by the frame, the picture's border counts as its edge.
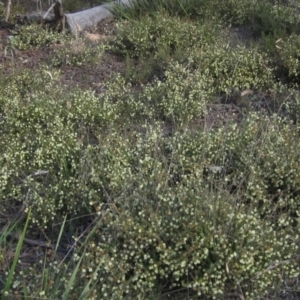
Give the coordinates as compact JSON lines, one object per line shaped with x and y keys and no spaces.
{"x":77,"y":22}
{"x":82,"y":20}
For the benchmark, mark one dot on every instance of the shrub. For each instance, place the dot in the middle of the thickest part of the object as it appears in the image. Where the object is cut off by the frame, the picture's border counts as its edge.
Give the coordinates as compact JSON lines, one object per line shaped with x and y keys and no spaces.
{"x":34,"y":36}
{"x":163,"y":223}
{"x":275,"y":18}
{"x":168,"y":207}
{"x":263,"y":163}
{"x":153,"y":34}
{"x":174,"y":99}
{"x":230,"y":69}
{"x":288,"y":54}
{"x":184,"y":236}
{"x":292,"y":106}
{"x":230,"y":12}
{"x":179,"y":99}
{"x":76,"y":53}
{"x":45,"y":128}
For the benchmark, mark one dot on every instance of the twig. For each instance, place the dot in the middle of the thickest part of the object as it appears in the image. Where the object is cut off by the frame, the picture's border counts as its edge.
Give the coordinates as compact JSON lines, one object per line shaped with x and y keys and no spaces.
{"x":48,"y":11}
{"x":7,"y":11}
{"x":33,"y":242}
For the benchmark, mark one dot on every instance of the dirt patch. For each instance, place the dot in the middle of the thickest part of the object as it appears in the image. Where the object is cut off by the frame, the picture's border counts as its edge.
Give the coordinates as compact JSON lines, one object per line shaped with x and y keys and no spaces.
{"x":90,"y":76}
{"x":239,"y":35}
{"x":12,"y":59}
{"x":93,"y":76}
{"x":4,"y":33}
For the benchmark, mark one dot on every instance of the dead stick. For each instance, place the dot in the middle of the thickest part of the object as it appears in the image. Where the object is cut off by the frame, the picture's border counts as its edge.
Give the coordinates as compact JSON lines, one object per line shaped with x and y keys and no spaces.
{"x":7,"y":11}
{"x":48,"y":11}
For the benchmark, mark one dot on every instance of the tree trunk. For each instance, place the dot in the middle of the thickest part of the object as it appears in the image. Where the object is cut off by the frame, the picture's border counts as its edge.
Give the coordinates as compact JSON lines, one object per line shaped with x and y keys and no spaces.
{"x":77,"y":22}
{"x":82,"y":20}
{"x":59,"y":17}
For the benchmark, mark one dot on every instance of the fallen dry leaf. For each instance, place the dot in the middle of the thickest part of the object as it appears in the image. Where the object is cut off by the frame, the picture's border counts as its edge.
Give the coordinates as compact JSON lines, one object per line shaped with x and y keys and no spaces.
{"x":246,"y":92}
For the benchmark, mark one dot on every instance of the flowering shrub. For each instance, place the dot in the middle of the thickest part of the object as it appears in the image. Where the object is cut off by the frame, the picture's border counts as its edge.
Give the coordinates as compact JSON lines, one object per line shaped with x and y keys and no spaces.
{"x":34,"y":36}
{"x":161,"y":32}
{"x":76,"y":53}
{"x":153,"y":203}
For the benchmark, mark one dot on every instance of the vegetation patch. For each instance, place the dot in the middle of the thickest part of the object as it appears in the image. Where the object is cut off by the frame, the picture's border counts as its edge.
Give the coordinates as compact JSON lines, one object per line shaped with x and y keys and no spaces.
{"x":76,"y":53}
{"x":130,"y":192}
{"x":34,"y":36}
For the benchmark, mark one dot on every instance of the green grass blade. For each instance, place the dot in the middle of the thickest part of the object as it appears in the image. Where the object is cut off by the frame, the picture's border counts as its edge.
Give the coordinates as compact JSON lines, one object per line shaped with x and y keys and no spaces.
{"x":16,"y":258}
{"x":88,"y":237}
{"x":72,"y":279}
{"x":7,"y":230}
{"x":60,"y":233}
{"x":26,"y":297}
{"x":86,"y":289}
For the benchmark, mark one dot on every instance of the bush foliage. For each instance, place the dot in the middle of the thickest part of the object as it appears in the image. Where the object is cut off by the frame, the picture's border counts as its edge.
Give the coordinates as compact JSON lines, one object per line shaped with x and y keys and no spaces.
{"x":33,"y":35}
{"x":156,"y":203}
